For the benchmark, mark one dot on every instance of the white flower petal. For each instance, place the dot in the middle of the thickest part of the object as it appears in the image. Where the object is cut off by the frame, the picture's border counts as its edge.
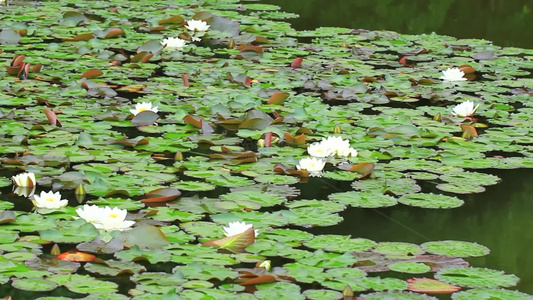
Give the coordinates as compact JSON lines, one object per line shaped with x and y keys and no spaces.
{"x":237,"y":227}
{"x":465,"y":109}
{"x":24,"y":179}
{"x":453,"y":74}
{"x":311,"y":164}
{"x":173,"y":43}
{"x":197,"y":25}
{"x":140,"y":107}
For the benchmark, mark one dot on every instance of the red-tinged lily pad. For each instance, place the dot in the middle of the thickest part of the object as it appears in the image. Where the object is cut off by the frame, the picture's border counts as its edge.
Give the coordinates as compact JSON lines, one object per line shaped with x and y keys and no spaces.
{"x":175,"y":19}
{"x":161,"y":195}
{"x":278,"y":98}
{"x":235,"y":243}
{"x":80,"y":37}
{"x":52,"y":117}
{"x":260,"y":279}
{"x":142,"y":56}
{"x":93,"y":73}
{"x":113,"y":32}
{"x":364,"y":168}
{"x":76,"y":256}
{"x":295,"y":140}
{"x":297,"y":63}
{"x":188,"y":119}
{"x":430,"y":286}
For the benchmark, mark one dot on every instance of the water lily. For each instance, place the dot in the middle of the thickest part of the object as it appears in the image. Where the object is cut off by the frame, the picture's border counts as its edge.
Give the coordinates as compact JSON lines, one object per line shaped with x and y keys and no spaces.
{"x":90,"y":213}
{"x":24,"y":179}
{"x":173,"y":43}
{"x":333,"y":145}
{"x":113,"y":219}
{"x":49,"y":200}
{"x":139,"y":107}
{"x":453,"y":74}
{"x":234,"y":228}
{"x":312,"y":165}
{"x":320,"y":150}
{"x":197,"y":25}
{"x":465,"y":109}
{"x":348,"y":151}
{"x":265,"y":264}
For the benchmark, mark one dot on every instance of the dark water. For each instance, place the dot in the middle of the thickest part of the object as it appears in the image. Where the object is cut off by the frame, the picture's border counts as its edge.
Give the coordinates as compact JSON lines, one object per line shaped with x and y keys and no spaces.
{"x":505,"y":22}
{"x":501,"y":218}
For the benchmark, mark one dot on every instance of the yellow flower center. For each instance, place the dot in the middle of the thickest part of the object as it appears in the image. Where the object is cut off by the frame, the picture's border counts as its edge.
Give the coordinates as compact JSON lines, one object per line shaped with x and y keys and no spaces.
{"x":142,"y":109}
{"x":113,"y":216}
{"x":50,"y":199}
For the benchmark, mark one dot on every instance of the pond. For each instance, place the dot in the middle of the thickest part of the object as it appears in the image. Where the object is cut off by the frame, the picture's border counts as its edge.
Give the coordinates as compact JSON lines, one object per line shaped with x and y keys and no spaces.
{"x":383,"y":164}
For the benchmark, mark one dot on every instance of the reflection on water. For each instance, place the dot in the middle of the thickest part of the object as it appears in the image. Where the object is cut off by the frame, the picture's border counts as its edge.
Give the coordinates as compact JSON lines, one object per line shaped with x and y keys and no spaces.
{"x":500,"y":218}
{"x":506,"y":23}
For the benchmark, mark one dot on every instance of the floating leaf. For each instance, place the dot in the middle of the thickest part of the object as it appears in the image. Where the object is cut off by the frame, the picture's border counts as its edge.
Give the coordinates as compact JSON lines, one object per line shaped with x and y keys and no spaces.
{"x":76,"y":256}
{"x":144,"y":236}
{"x":430,"y":286}
{"x":455,"y":248}
{"x":430,"y":200}
{"x":161,"y":195}
{"x":93,"y":73}
{"x":477,"y":277}
{"x":235,"y":243}
{"x":145,"y":118}
{"x":278,"y":98}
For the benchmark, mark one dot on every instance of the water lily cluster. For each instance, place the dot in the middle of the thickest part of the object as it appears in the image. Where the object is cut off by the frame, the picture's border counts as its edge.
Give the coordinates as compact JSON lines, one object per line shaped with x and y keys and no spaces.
{"x":196,"y":30}
{"x":332,"y":146}
{"x":105,"y":218}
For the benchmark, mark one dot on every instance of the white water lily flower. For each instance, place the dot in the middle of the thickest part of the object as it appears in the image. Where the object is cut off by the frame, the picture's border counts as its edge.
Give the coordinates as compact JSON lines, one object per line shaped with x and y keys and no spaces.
{"x":113,"y":219}
{"x":139,"y":107}
{"x":49,"y":200}
{"x":345,"y":152}
{"x":312,"y":165}
{"x":197,"y":25}
{"x":320,"y":150}
{"x":453,"y":74}
{"x":24,"y":179}
{"x":234,"y":228}
{"x":173,"y":43}
{"x":90,"y":213}
{"x":465,"y":109}
{"x":339,"y":146}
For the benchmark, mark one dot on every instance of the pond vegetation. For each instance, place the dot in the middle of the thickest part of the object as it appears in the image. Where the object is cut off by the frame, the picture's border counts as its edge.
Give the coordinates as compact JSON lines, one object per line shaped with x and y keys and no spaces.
{"x":191,"y":150}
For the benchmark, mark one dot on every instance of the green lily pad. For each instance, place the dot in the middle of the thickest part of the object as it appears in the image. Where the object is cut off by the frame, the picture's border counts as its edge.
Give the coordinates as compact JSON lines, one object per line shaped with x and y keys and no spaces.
{"x":477,"y":277}
{"x":410,"y":267}
{"x":34,"y":285}
{"x":499,"y":294}
{"x":322,"y":294}
{"x":363,"y":199}
{"x":455,"y":248}
{"x":430,"y":200}
{"x":340,"y":243}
